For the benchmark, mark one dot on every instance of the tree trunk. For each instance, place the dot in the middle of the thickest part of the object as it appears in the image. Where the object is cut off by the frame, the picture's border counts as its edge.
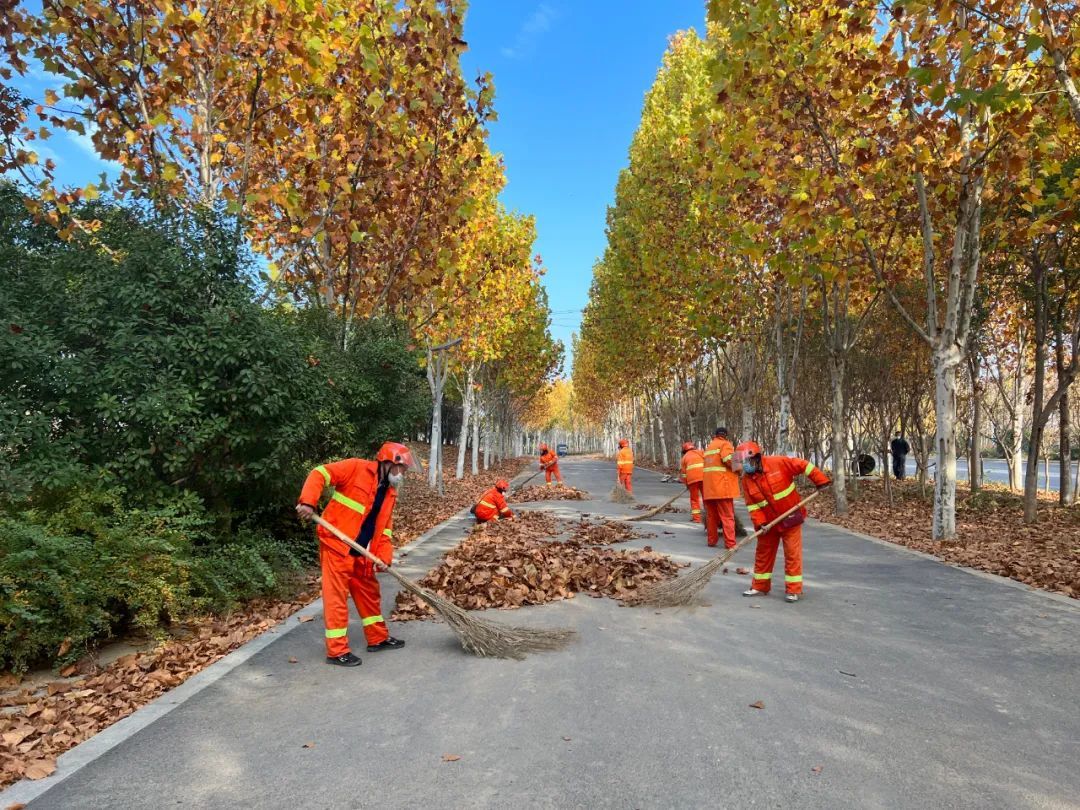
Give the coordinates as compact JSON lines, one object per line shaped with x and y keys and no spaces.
{"x":466,"y":414}
{"x":1065,"y":491}
{"x":436,"y":372}
{"x":839,"y":435}
{"x":946,"y":361}
{"x":975,"y":451}
{"x":663,"y":437}
{"x":476,"y":440}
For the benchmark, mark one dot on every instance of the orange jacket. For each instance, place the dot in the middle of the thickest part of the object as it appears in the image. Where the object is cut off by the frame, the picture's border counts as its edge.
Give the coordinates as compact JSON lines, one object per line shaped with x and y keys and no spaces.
{"x":492,"y":503}
{"x":549,"y":459}
{"x":720,"y":481}
{"x":772,"y":492}
{"x":693,"y":466}
{"x":624,"y":461}
{"x":354,"y":481}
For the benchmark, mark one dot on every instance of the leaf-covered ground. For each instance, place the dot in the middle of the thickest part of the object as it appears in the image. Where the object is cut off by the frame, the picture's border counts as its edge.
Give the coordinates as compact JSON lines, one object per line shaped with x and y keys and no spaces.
{"x":41,"y":721}
{"x":544,"y":493}
{"x":991,"y":532}
{"x":521,"y":562}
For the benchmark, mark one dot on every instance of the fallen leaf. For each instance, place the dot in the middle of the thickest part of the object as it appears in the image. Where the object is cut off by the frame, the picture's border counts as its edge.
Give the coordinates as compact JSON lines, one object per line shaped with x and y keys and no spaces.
{"x":40,"y":768}
{"x":816,"y":769}
{"x":757,"y":704}
{"x":450,"y":757}
{"x":68,"y":671}
{"x":755,"y":607}
{"x":293,"y":660}
{"x":16,"y":806}
{"x":742,"y":571}
{"x":566,"y":739}
{"x":308,"y":745}
{"x":305,"y":619}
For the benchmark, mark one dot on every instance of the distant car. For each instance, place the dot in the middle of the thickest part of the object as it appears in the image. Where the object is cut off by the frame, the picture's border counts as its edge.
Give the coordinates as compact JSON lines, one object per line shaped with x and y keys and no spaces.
{"x":562,"y":449}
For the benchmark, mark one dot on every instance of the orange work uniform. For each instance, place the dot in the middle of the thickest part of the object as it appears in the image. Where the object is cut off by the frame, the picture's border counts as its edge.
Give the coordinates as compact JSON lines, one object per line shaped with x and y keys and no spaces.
{"x":720,"y":488}
{"x":624,"y":464}
{"x":550,"y":462}
{"x":492,"y":506}
{"x":693,"y":473}
{"x":768,"y":495}
{"x":355,"y":484}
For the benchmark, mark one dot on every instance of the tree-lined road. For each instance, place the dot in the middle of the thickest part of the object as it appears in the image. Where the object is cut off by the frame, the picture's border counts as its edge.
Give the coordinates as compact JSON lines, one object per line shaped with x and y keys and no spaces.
{"x":898,"y":682}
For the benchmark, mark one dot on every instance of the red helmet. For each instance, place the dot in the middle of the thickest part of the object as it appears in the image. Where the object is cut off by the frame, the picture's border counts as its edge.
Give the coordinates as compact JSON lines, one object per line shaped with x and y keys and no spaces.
{"x":687,"y":447}
{"x":624,"y":443}
{"x":502,"y":485}
{"x":749,"y":449}
{"x":398,"y":454}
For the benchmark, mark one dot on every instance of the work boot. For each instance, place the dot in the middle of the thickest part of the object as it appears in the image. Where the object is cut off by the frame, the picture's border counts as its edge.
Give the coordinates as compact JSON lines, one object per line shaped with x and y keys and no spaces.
{"x":791,"y":597}
{"x":753,"y":592}
{"x":346,"y":660}
{"x":390,"y":644}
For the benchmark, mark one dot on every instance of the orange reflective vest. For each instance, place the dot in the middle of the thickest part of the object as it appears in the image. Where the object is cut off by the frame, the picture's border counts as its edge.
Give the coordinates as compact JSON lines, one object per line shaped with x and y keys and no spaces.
{"x":720,"y":481}
{"x":624,"y":460}
{"x":772,"y":492}
{"x":354,"y":482}
{"x":548,"y":459}
{"x":492,"y":503}
{"x":693,"y":466}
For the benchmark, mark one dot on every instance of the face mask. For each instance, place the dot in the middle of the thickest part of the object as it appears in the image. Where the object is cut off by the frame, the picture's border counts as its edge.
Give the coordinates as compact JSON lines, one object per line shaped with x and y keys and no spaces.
{"x":751,"y":465}
{"x":396,"y":480}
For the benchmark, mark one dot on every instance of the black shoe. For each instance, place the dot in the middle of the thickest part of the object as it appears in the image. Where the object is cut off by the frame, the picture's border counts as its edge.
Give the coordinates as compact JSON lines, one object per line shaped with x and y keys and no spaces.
{"x":390,"y":644}
{"x":346,"y":660}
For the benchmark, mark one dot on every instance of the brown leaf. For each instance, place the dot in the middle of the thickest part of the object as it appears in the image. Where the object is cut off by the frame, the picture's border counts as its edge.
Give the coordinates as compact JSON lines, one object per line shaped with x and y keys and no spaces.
{"x":816,"y":769}
{"x":742,"y":571}
{"x":68,"y":671}
{"x":450,"y":757}
{"x":308,"y":745}
{"x":757,"y":704}
{"x":305,"y":619}
{"x":293,"y":660}
{"x":40,"y":768}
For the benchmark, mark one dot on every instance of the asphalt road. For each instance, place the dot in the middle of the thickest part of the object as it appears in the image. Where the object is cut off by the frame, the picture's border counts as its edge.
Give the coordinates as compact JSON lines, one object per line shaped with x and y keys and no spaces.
{"x":898,"y":682}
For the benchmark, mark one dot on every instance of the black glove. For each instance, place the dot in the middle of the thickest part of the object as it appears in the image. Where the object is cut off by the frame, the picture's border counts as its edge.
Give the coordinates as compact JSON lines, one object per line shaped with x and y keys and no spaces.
{"x":826,"y":485}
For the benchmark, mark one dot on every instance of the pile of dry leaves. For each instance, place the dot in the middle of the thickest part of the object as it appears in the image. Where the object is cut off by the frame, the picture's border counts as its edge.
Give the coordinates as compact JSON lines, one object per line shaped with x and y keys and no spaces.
{"x":514,"y":563}
{"x":38,"y":724}
{"x":563,"y":493}
{"x":601,"y":533}
{"x":991,"y":532}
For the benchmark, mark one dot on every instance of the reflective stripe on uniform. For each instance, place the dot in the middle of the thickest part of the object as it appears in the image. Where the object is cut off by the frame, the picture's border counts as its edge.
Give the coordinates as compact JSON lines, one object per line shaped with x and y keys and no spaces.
{"x":786,"y":492}
{"x":695,"y":511}
{"x":763,"y":576}
{"x":388,"y":532}
{"x":728,"y":458}
{"x":809,"y":468}
{"x":753,"y":507}
{"x":712,"y":452}
{"x":695,"y":466}
{"x":356,"y":506}
{"x":325,"y":472}
{"x":626,"y":464}
{"x":793,"y":579}
{"x":488,"y":505}
{"x":370,"y":620}
{"x":714,"y":469}
{"x":339,"y":633}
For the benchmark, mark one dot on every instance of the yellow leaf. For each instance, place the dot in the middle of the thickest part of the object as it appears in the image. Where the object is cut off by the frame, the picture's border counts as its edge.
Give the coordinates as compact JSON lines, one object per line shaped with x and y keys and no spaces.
{"x":91,"y":192}
{"x":51,"y":98}
{"x":196,"y":16}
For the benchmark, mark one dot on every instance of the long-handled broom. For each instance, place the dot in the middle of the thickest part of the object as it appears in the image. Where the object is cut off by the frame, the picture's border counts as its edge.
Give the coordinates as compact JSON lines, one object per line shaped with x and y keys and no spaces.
{"x":658,"y":509}
{"x":477,"y":636}
{"x":681,"y":591}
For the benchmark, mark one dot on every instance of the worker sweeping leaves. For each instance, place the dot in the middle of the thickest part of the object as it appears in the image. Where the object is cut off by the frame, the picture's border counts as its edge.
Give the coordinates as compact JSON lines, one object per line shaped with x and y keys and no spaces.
{"x":720,"y":488}
{"x":624,"y":466}
{"x":361,"y":506}
{"x":549,"y":463}
{"x":768,"y":485}
{"x":692,"y":474}
{"x":492,"y":505}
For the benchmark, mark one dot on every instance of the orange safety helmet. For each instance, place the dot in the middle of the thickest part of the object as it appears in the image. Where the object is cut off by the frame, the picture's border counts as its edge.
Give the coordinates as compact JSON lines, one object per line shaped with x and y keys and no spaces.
{"x":687,"y":447}
{"x":624,"y":443}
{"x":502,"y":485}
{"x":744,"y":453}
{"x":544,"y":447}
{"x":396,"y":453}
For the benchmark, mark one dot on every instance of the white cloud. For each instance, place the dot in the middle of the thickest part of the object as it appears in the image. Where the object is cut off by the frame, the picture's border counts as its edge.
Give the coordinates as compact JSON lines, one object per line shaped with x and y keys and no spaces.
{"x":537,"y":24}
{"x":85,"y":144}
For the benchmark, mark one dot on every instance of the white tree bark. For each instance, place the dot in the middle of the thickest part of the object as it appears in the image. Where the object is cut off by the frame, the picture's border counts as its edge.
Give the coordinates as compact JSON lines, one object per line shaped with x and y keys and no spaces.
{"x":467,"y":397}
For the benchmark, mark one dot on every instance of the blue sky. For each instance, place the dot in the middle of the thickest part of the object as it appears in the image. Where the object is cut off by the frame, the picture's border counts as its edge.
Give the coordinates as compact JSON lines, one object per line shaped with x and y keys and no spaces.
{"x":570,"y":79}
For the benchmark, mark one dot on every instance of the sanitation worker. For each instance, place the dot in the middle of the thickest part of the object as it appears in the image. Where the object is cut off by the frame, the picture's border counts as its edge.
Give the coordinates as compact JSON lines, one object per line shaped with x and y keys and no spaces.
{"x":720,"y":488}
{"x":492,"y":505}
{"x":768,"y":485}
{"x":362,"y":507}
{"x":693,"y":472}
{"x":549,"y":462}
{"x":624,"y":465}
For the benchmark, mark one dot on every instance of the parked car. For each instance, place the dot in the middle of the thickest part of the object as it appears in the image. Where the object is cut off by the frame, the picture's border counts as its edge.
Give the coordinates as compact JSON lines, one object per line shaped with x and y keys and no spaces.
{"x":562,"y":450}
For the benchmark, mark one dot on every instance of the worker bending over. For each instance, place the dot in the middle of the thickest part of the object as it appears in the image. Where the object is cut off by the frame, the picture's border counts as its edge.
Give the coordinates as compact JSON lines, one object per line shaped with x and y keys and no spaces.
{"x":492,"y":504}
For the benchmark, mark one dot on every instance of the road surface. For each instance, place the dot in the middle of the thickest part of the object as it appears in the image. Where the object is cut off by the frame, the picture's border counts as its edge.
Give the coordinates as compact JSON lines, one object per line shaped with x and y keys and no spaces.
{"x":898,"y":682}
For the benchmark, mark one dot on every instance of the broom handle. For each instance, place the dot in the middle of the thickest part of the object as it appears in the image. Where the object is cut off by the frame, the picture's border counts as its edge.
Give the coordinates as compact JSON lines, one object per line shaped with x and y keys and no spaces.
{"x":344,"y":538}
{"x":661,"y":507}
{"x":727,"y":555}
{"x":521,"y":486}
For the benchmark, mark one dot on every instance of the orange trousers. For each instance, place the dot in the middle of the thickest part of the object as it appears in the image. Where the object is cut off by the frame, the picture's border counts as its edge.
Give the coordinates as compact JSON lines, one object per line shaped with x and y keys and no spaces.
{"x":343,"y":576}
{"x":695,"y":501}
{"x":552,"y":473}
{"x":765,"y":559}
{"x":627,"y":480}
{"x":720,"y":512}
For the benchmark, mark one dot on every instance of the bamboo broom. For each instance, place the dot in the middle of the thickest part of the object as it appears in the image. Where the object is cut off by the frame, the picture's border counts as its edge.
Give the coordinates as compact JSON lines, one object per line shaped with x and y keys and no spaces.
{"x":480,"y":637}
{"x":681,"y":591}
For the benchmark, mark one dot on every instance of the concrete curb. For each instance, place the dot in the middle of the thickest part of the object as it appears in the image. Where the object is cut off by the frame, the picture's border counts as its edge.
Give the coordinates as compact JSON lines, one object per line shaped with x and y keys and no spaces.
{"x":1012,"y":583}
{"x":72,"y":761}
